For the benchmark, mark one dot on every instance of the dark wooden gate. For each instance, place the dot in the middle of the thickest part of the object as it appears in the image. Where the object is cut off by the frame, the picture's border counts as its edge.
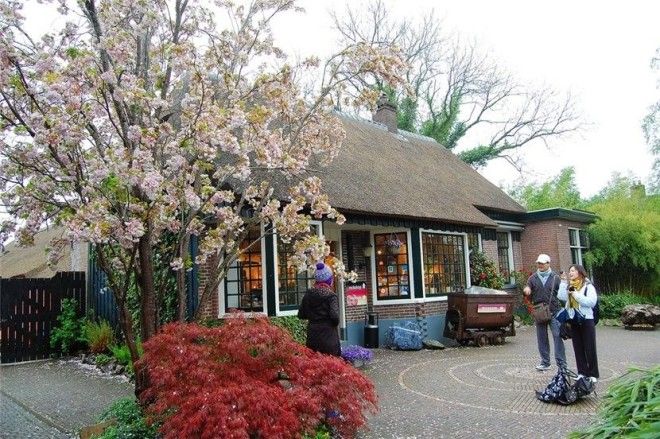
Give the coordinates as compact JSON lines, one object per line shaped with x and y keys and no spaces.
{"x":29,"y":310}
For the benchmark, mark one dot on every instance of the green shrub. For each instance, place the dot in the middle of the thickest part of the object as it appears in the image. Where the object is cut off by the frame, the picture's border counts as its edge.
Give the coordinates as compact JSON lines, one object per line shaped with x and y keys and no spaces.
{"x":524,"y":315}
{"x":131,"y":422}
{"x":293,"y":325}
{"x":68,"y":335}
{"x":102,"y":359}
{"x":611,"y":305}
{"x":629,"y":409}
{"x":483,"y":272}
{"x":123,"y":356}
{"x":98,"y":335}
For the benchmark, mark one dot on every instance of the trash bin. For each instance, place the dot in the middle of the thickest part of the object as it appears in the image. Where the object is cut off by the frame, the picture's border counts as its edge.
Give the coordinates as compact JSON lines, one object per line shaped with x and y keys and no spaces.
{"x":371,"y":330}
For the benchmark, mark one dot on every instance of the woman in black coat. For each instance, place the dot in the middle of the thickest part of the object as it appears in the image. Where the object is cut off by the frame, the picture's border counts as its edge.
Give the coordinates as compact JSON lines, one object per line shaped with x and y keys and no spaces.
{"x":321,"y":307}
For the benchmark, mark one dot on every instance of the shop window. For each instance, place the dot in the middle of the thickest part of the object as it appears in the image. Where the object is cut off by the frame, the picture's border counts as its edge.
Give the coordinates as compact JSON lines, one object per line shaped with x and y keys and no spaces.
{"x":292,"y":283}
{"x":243,"y":283}
{"x":392,"y":269}
{"x":444,"y":263}
{"x":579,"y":244}
{"x":504,"y":255}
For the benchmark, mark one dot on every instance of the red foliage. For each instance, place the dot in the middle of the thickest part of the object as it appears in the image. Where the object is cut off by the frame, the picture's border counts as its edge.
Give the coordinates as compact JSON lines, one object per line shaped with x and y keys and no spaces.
{"x":223,"y":382}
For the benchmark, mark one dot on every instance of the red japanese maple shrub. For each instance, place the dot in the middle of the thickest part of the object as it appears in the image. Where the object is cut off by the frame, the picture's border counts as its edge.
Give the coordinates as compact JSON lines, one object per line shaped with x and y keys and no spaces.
{"x":226,"y":382}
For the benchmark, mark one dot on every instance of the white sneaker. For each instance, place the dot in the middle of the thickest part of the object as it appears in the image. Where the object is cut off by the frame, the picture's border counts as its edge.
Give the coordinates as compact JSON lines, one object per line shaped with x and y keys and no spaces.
{"x":593,"y":379}
{"x":543,"y":367}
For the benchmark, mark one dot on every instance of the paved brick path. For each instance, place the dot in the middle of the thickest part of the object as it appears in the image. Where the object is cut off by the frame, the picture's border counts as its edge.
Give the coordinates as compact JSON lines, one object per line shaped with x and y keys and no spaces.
{"x":54,"y":399}
{"x":465,"y":392}
{"x":470,"y":392}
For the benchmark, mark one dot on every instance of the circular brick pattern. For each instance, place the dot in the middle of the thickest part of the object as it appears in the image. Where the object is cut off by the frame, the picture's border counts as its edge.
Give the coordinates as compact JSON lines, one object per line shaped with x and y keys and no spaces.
{"x":498,"y":383}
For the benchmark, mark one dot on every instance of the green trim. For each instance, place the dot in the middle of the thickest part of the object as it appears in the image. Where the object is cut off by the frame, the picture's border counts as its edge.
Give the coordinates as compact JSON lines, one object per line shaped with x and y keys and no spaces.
{"x":409,"y":223}
{"x":270,"y":272}
{"x":579,"y":216}
{"x":415,"y":244}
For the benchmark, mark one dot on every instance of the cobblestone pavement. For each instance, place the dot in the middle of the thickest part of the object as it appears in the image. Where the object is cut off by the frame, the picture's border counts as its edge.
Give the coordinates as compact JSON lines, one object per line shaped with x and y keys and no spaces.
{"x":461,"y":392}
{"x":470,"y":392}
{"x":54,"y":399}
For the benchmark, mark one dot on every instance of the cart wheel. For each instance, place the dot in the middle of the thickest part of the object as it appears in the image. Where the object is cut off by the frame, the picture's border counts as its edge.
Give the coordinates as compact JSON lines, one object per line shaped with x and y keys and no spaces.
{"x":497,"y":339}
{"x":482,"y":340}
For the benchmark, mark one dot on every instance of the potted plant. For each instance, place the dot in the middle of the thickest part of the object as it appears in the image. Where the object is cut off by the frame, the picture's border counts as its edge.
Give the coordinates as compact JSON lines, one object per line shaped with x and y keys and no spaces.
{"x":358,"y":356}
{"x":393,"y":244}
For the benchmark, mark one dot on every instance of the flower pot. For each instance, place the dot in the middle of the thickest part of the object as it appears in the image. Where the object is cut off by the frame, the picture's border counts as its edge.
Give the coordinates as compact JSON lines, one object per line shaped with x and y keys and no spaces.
{"x":393,"y":249}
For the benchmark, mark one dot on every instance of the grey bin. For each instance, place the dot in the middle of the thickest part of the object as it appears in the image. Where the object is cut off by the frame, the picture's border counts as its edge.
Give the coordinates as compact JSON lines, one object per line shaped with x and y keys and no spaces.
{"x":371,"y":330}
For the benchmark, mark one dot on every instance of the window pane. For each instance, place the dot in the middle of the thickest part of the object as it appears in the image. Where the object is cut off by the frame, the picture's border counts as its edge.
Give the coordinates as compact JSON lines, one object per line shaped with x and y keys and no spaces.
{"x":444,"y":263}
{"x":576,"y":256}
{"x":243,"y":283}
{"x":503,"y":253}
{"x":572,"y":237}
{"x":584,"y":239}
{"x":473,"y":241}
{"x":392,"y":275}
{"x":292,"y":283}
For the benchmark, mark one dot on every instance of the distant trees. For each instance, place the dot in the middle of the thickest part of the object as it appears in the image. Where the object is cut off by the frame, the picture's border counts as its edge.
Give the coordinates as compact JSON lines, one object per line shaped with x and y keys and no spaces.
{"x":624,"y":251}
{"x":625,"y":240}
{"x":455,"y":90}
{"x":561,"y":191}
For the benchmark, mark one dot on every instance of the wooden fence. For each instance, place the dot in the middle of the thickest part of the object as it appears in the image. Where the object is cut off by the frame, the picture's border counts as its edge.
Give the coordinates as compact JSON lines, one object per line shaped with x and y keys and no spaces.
{"x":29,"y":310}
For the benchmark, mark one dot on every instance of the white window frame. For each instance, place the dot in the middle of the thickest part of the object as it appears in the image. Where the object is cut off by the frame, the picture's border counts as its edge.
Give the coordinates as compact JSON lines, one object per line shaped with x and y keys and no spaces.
{"x":466,"y":257}
{"x":222,"y":311}
{"x":374,"y":277}
{"x":288,"y":312}
{"x":508,"y":227}
{"x":579,"y":246}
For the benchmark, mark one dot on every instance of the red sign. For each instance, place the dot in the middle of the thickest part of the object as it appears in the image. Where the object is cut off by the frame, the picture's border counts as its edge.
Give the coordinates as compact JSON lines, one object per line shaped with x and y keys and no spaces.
{"x":491,"y":307}
{"x":356,"y":295}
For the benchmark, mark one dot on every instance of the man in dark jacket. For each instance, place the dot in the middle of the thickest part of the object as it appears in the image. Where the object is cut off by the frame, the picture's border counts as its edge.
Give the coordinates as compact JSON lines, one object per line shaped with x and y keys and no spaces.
{"x":320,"y":306}
{"x":543,"y":287}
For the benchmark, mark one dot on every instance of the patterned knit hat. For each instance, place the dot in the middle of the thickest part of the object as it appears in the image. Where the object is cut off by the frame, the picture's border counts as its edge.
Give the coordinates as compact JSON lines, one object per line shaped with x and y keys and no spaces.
{"x":323,"y":274}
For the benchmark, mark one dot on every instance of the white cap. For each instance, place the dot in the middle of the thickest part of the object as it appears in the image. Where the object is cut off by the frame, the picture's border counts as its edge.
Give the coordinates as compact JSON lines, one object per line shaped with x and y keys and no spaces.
{"x":543,"y":258}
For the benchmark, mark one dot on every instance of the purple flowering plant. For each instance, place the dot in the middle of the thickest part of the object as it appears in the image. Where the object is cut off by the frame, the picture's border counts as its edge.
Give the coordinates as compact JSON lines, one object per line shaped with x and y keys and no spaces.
{"x":356,"y":353}
{"x":393,"y":241}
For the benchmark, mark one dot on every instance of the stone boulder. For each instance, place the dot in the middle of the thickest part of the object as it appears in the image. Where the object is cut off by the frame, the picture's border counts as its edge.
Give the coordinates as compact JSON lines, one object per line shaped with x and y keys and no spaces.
{"x":640,"y":315}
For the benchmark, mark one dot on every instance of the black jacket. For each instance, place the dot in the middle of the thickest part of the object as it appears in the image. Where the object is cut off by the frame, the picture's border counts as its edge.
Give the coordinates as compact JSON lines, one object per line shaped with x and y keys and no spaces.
{"x":545,"y":293}
{"x":321,"y":307}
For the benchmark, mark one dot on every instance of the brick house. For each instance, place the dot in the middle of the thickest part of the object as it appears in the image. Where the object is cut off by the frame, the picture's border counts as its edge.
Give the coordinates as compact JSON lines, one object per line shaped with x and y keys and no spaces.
{"x":395,"y":187}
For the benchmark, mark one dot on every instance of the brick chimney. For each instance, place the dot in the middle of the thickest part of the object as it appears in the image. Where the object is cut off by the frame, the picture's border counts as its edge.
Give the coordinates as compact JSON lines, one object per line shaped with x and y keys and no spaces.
{"x":386,"y":114}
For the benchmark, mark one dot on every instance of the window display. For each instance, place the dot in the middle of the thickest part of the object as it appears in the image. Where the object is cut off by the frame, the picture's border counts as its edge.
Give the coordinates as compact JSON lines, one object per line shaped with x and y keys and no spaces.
{"x":392,"y":266}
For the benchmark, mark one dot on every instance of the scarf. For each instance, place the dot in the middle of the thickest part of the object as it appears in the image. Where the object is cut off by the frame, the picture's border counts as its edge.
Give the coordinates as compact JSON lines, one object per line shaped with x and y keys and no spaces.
{"x":543,"y":275}
{"x":576,"y":284}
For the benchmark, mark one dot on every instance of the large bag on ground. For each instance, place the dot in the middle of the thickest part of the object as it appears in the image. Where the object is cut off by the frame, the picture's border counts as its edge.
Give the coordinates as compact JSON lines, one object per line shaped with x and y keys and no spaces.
{"x":407,"y":337}
{"x":565,"y":388}
{"x":560,"y":389}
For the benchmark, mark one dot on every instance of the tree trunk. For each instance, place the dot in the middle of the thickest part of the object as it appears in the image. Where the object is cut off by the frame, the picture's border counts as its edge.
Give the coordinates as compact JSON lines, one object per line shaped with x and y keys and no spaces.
{"x":184,"y":253}
{"x":148,"y":316}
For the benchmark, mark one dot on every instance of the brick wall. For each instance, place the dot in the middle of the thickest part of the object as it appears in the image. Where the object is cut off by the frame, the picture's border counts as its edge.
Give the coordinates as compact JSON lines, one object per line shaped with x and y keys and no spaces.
{"x":517,"y":255}
{"x":490,"y":250}
{"x":210,"y":311}
{"x":549,"y":237}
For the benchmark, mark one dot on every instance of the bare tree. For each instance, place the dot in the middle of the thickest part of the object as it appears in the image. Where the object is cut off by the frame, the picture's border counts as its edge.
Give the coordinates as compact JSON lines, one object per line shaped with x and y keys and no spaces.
{"x":454,"y":89}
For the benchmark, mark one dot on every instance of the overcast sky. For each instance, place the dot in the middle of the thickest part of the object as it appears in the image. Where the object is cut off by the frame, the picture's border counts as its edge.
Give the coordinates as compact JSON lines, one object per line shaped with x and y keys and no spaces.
{"x":599,"y":51}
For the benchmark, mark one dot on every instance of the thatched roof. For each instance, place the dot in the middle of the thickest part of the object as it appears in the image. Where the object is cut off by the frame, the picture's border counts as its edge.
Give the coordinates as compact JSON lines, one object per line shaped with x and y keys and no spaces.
{"x":407,"y":175}
{"x":32,"y":261}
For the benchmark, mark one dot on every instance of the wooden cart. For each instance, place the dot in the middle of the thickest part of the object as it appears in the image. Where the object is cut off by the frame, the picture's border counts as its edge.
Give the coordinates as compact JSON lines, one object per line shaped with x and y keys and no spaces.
{"x":480,"y":317}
